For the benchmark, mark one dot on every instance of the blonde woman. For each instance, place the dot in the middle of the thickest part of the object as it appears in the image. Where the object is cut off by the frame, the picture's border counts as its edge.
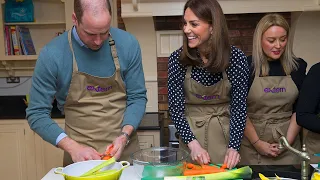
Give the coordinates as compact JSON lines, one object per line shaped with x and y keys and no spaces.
{"x":276,"y":77}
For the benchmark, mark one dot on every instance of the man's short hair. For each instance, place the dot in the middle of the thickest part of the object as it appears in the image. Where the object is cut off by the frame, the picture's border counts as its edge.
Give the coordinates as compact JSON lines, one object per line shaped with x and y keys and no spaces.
{"x":78,"y":8}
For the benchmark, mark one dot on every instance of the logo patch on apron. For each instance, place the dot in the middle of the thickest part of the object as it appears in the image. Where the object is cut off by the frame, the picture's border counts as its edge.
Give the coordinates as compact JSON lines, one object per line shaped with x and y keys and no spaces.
{"x":98,"y":88}
{"x":275,"y":90}
{"x":206,"y":98}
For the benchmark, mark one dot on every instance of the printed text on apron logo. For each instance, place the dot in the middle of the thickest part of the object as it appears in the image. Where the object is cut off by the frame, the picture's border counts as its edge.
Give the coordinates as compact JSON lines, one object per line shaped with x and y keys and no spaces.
{"x":275,"y":90}
{"x":205,"y":97}
{"x":98,"y":88}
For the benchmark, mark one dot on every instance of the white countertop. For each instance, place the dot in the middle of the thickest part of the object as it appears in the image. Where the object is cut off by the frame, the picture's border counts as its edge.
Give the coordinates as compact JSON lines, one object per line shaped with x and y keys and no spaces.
{"x":128,"y":173}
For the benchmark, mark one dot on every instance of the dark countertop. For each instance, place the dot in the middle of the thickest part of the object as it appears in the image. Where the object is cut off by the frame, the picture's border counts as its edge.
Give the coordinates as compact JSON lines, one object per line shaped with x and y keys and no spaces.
{"x":13,"y":107}
{"x":284,"y":171}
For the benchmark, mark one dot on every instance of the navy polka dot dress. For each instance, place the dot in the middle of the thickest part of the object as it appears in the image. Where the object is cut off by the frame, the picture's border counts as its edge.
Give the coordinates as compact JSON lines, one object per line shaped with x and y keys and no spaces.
{"x":238,"y":75}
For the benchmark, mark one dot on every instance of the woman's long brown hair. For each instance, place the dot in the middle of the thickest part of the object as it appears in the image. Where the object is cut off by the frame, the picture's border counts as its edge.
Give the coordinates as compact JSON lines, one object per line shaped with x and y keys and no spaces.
{"x":218,"y":51}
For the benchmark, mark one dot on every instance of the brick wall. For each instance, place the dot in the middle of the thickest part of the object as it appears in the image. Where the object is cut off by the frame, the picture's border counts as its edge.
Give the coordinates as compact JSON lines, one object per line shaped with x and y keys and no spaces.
{"x":241,"y":29}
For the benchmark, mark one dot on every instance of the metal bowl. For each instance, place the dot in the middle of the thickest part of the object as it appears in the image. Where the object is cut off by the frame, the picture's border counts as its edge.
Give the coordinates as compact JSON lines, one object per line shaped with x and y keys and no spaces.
{"x":157,"y":162}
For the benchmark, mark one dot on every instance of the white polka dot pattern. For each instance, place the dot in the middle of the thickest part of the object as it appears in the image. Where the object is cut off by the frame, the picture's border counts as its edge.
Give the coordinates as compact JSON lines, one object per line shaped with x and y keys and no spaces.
{"x":238,"y":75}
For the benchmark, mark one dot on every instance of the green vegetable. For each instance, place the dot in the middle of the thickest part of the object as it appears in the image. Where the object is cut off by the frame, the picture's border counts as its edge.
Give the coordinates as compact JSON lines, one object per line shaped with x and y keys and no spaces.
{"x":241,"y":173}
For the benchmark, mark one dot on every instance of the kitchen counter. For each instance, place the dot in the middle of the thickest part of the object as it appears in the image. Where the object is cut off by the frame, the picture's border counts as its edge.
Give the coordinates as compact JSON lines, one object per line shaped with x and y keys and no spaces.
{"x":289,"y":171}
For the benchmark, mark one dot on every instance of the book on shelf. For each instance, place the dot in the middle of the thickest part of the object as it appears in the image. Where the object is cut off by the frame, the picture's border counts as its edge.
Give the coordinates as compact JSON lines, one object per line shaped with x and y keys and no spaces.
{"x":26,"y":41}
{"x":18,"y":41}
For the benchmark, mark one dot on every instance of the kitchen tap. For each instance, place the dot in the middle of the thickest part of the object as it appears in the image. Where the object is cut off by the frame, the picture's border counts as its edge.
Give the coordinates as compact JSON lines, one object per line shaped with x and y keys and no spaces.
{"x":283,"y":143}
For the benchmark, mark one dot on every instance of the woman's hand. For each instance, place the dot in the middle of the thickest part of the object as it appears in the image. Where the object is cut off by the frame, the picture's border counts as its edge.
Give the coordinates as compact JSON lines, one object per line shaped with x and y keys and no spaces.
{"x":267,"y":149}
{"x":198,"y":153}
{"x":232,"y":158}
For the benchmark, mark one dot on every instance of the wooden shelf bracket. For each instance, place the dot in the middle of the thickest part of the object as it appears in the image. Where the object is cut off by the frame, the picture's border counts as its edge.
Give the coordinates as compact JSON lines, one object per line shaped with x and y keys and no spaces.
{"x":8,"y":68}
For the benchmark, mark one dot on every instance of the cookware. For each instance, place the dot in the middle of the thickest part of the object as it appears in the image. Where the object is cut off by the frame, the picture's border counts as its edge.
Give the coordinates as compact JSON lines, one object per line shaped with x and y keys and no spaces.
{"x":157,"y":162}
{"x":75,"y":170}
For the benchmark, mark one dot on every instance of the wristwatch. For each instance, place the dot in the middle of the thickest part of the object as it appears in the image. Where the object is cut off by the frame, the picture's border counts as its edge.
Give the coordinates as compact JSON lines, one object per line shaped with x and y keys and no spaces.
{"x":127,"y":137}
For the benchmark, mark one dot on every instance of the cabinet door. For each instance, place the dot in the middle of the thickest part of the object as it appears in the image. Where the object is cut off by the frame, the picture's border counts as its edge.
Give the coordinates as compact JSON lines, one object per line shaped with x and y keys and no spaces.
{"x":148,"y":138}
{"x":13,"y":155}
{"x":47,"y":155}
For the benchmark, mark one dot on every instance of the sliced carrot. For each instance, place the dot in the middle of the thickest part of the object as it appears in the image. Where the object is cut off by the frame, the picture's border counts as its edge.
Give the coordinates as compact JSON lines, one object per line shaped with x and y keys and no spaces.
{"x":224,"y":166}
{"x":201,"y":171}
{"x":209,"y":167}
{"x":190,"y":166}
{"x":108,"y":153}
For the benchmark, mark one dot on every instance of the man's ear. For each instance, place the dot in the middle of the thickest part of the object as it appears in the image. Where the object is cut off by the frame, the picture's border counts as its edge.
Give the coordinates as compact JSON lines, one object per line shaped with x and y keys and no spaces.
{"x":74,"y":19}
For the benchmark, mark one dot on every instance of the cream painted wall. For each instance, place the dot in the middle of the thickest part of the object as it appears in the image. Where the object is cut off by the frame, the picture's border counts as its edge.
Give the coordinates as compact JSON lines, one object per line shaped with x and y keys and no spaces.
{"x":307,"y":36}
{"x":143,"y":29}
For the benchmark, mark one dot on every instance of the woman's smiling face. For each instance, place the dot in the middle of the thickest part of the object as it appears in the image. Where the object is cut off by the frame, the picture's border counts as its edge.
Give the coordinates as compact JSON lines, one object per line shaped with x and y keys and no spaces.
{"x":197,"y":31}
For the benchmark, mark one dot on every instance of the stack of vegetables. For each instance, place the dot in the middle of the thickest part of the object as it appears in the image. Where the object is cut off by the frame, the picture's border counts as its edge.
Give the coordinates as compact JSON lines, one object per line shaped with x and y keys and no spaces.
{"x":216,"y":172}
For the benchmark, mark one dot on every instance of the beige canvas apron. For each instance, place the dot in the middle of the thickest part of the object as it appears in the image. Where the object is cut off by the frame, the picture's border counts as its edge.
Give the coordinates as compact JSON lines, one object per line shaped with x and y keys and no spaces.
{"x":207,"y":112}
{"x":270,"y":102}
{"x":94,"y":108}
{"x":312,"y":142}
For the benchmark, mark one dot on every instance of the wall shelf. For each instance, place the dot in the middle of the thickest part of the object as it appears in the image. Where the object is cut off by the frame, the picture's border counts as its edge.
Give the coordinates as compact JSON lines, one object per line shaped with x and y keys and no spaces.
{"x":19,"y":58}
{"x":35,"y":23}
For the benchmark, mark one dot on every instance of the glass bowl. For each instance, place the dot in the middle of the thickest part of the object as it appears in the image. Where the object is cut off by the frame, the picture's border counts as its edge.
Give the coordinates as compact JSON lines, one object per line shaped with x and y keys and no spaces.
{"x":157,"y":162}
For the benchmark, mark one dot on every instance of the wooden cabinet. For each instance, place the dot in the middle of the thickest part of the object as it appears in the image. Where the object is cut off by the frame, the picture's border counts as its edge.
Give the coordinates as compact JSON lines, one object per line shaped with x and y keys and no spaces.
{"x":47,"y":155}
{"x":149,"y":138}
{"x":13,"y":155}
{"x":24,"y":155}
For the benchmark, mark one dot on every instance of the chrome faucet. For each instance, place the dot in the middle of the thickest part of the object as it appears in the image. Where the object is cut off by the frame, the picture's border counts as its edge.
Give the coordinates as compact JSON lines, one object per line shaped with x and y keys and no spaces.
{"x":283,"y":143}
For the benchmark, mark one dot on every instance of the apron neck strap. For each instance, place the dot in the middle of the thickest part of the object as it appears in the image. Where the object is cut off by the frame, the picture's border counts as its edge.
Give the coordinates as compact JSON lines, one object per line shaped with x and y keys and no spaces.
{"x":188,"y":74}
{"x":224,"y":75}
{"x":74,"y":62}
{"x":114,"y":52}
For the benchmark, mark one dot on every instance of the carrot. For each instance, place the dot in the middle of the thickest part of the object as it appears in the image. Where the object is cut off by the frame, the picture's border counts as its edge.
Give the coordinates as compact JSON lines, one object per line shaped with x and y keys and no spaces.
{"x":209,"y":167}
{"x":224,"y":166}
{"x":190,"y":166}
{"x":201,"y":171}
{"x":108,"y":153}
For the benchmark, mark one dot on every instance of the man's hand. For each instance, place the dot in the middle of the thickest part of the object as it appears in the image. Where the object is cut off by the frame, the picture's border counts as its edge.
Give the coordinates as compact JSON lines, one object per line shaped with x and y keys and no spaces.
{"x":77,"y":151}
{"x":118,"y":146}
{"x":267,"y":149}
{"x":198,"y":153}
{"x":120,"y":142}
{"x":232,"y":158}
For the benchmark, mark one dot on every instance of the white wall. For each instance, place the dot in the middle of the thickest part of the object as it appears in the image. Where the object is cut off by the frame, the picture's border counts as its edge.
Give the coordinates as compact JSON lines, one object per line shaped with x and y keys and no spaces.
{"x":143,"y":29}
{"x":307,"y":36}
{"x":15,"y":89}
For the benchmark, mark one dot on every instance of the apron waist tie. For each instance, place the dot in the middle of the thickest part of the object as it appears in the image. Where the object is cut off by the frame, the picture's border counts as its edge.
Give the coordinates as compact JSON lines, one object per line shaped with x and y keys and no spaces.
{"x":270,"y":118}
{"x":205,"y":122}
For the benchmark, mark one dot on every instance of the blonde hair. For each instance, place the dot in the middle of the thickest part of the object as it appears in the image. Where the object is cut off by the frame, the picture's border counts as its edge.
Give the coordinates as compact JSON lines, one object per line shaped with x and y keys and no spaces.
{"x":260,"y":60}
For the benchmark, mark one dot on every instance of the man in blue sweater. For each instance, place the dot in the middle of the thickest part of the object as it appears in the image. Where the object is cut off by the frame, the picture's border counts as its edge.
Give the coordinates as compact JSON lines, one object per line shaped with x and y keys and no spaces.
{"x":95,"y":73}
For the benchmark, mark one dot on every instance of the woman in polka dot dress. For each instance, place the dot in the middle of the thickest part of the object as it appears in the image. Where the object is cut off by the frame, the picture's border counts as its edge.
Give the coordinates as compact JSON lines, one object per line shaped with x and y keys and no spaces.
{"x":275,"y":79}
{"x":208,"y":86}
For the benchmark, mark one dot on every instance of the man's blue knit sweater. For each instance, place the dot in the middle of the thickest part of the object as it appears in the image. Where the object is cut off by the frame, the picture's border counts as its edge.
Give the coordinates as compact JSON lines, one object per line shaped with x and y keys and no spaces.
{"x":53,"y":72}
